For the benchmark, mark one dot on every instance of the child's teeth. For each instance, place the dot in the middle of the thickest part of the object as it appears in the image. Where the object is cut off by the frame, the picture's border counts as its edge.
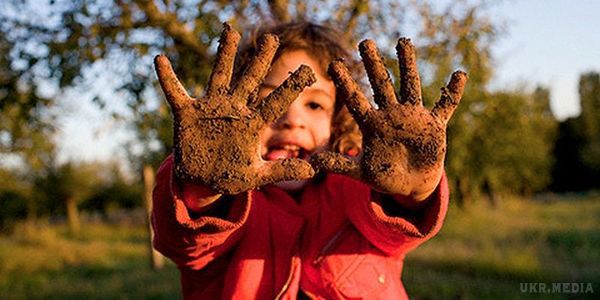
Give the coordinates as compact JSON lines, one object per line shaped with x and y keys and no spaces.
{"x":291,"y":147}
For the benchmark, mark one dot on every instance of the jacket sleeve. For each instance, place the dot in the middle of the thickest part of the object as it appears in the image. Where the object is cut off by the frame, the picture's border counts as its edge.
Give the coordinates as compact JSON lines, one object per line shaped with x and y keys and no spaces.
{"x":390,"y":227}
{"x":192,"y":242}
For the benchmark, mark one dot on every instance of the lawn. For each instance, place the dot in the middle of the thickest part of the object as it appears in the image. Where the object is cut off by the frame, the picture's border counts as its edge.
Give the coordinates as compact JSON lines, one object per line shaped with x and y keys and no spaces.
{"x":481,"y":253}
{"x":484,"y":253}
{"x":102,"y":262}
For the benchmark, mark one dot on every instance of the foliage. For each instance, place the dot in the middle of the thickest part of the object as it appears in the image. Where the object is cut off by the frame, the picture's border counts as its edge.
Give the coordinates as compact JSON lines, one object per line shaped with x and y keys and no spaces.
{"x":499,"y":142}
{"x":123,"y":36}
{"x":81,"y":42}
{"x":577,"y":148}
{"x":114,"y":193}
{"x":518,"y":159}
{"x":26,"y":117}
{"x":95,"y":187}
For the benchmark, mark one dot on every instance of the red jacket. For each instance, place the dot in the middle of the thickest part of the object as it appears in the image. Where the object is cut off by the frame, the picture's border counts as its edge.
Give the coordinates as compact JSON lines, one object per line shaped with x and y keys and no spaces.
{"x":342,"y":240}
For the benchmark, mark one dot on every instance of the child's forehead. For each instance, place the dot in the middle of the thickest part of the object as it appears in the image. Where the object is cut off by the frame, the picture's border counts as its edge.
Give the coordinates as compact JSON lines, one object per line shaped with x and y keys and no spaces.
{"x":293,"y":58}
{"x":290,"y":61}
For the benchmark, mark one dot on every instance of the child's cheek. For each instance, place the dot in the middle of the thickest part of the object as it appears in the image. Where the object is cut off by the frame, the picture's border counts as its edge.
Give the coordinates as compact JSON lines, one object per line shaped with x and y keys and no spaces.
{"x":322,"y":131}
{"x":264,"y":136}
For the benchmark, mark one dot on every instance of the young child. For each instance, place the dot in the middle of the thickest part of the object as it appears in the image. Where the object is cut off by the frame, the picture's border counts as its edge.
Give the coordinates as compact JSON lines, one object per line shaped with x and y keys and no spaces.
{"x":238,"y":207}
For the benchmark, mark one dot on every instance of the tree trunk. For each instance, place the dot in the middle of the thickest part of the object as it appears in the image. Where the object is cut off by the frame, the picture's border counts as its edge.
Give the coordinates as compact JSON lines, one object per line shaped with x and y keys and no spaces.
{"x":73,"y":214}
{"x":464,"y":193}
{"x":490,"y":193}
{"x":156,"y":259}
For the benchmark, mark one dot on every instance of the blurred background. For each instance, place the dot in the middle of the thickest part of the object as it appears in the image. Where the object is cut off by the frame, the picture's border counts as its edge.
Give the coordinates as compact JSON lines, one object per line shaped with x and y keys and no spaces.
{"x":83,"y":127}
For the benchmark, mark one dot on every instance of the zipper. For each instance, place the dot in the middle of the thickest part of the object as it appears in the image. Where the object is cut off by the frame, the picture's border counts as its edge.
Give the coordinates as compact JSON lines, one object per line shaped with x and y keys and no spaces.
{"x":333,"y":241}
{"x":288,"y":281}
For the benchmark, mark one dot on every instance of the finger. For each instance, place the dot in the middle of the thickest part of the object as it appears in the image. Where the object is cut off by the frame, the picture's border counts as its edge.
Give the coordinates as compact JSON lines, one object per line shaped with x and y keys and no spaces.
{"x":451,"y":95}
{"x":220,"y":77}
{"x":258,"y":67}
{"x":410,"y":83}
{"x":355,"y":100}
{"x":279,"y":100}
{"x":336,"y":163}
{"x":284,"y":170}
{"x":383,"y":89}
{"x":175,"y":93}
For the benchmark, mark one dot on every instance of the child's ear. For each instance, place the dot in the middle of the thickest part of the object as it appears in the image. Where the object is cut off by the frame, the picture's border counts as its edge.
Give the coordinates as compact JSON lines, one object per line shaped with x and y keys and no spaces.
{"x":352,"y":152}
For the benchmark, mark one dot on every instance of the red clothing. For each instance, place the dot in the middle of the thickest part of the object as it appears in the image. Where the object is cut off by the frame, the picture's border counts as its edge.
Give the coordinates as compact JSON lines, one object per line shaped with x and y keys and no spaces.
{"x":342,"y":240}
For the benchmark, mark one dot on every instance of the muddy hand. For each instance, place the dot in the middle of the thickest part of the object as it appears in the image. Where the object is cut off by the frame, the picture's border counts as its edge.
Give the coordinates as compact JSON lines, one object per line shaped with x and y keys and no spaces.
{"x":216,"y":140}
{"x":401,"y":137}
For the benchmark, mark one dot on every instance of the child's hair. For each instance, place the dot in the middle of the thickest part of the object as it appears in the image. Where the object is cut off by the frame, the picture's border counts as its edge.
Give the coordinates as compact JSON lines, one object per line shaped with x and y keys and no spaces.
{"x":323,"y":44}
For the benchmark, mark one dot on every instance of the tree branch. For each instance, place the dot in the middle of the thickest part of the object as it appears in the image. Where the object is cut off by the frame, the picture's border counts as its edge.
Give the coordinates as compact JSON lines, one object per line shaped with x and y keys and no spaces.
{"x":359,"y":7}
{"x":279,"y":10}
{"x":172,"y":26}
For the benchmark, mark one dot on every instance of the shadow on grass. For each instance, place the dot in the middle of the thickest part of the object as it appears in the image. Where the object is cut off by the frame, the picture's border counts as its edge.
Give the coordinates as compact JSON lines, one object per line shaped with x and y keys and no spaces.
{"x":446,"y":280}
{"x":125,"y":280}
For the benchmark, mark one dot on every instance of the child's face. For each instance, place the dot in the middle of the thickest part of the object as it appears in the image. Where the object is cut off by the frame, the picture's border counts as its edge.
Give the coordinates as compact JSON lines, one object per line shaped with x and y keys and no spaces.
{"x":305,"y":128}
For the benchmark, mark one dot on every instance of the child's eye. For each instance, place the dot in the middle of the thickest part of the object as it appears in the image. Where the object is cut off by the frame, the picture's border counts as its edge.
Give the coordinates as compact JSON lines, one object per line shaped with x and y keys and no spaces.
{"x":314,"y":106}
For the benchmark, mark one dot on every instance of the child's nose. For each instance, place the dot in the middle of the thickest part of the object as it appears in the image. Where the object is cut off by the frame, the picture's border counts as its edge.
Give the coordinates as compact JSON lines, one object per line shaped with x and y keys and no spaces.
{"x":293,"y":118}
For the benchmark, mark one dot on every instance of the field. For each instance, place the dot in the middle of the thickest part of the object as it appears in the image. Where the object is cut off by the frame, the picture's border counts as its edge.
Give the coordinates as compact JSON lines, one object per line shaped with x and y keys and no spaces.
{"x":481,"y":253}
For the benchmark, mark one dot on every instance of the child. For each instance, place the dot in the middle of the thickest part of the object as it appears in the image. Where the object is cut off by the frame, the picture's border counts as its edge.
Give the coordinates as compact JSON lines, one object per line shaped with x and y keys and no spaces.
{"x":238,"y":206}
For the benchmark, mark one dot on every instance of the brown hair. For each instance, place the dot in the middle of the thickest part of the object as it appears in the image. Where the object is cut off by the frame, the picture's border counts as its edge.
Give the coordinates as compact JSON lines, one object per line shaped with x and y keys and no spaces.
{"x":324,"y":44}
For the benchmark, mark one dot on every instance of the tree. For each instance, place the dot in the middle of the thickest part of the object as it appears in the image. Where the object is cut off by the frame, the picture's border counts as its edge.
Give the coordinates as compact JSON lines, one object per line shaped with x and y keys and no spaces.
{"x":62,"y":187}
{"x":120,"y":37}
{"x":518,"y":158}
{"x":14,"y":199}
{"x":589,"y":95}
{"x":577,"y":148}
{"x":460,"y":35}
{"x":26,"y":114}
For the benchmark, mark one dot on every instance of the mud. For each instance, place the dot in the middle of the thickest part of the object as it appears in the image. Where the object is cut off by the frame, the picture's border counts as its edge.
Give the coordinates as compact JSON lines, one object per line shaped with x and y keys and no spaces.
{"x":401,"y":137}
{"x":410,"y":82}
{"x":383,"y":89}
{"x":220,"y":78}
{"x":216,"y":140}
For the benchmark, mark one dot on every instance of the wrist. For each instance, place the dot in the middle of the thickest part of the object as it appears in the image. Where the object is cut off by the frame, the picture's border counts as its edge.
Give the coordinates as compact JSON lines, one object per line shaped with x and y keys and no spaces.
{"x":417,"y":185}
{"x":426,"y":182}
{"x":198,"y":198}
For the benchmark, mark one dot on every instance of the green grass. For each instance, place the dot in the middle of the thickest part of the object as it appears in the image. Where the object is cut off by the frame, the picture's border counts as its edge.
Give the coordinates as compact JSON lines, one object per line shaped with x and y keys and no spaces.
{"x":484,"y":253}
{"x":103,"y":261}
{"x":481,"y":253}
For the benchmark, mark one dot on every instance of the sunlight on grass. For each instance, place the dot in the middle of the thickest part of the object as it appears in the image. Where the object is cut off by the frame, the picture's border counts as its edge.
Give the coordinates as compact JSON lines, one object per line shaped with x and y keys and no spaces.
{"x":102,"y":261}
{"x":481,"y":253}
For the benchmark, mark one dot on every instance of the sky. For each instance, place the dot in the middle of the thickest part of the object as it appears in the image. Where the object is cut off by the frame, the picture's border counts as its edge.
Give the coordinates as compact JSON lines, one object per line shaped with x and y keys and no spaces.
{"x":546,"y":42}
{"x":551,"y":43}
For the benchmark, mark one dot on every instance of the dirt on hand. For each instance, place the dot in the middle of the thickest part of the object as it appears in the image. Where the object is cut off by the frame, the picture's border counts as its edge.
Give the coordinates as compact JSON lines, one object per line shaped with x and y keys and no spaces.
{"x":216,"y":140}
{"x":399,"y":137}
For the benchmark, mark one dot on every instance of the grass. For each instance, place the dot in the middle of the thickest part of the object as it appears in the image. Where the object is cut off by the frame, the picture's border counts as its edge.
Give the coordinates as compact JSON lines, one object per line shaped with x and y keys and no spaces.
{"x":103,"y":261}
{"x":484,"y":253}
{"x":481,"y":253}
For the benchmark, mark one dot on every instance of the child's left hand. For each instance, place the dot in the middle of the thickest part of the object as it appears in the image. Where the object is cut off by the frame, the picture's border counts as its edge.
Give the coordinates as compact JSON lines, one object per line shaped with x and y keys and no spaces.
{"x":404,"y":144}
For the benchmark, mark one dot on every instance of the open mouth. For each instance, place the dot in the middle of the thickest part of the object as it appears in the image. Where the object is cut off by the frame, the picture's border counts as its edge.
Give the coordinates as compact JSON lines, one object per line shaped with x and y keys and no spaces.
{"x":284,"y":151}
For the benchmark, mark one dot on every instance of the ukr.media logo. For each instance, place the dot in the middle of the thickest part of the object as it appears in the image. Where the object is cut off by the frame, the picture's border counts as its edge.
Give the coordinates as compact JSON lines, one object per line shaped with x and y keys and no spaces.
{"x":557,"y":288}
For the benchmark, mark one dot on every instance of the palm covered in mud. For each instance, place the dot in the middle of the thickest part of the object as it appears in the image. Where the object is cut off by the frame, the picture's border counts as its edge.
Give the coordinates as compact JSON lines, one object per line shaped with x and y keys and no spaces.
{"x":216,"y":140}
{"x":402,"y":140}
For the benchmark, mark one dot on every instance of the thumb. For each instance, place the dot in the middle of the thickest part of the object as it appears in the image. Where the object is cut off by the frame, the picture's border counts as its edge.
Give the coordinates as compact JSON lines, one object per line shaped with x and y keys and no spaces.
{"x":284,"y":170}
{"x":336,"y":163}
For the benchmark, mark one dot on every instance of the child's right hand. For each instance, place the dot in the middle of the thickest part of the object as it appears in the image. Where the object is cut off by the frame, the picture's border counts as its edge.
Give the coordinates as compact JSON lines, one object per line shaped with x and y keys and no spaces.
{"x":216,"y":140}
